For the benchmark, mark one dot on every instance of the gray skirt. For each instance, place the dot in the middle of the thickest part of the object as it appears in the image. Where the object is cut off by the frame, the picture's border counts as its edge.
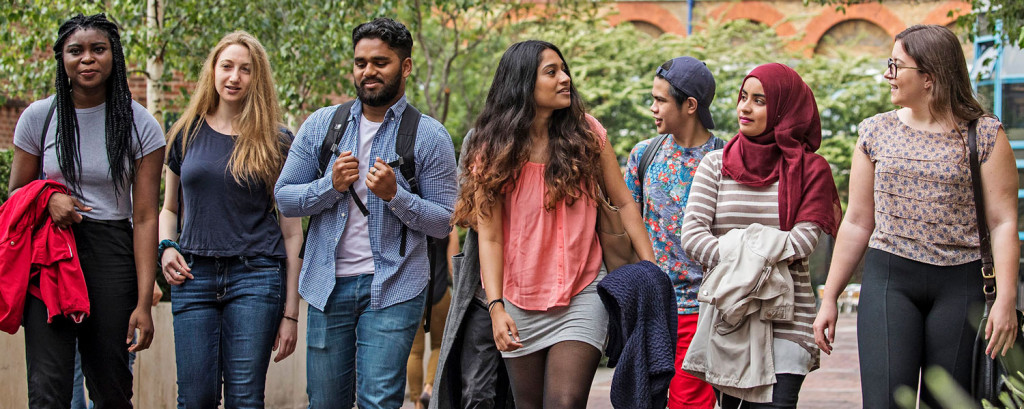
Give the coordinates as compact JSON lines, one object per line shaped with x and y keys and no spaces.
{"x":584,"y":319}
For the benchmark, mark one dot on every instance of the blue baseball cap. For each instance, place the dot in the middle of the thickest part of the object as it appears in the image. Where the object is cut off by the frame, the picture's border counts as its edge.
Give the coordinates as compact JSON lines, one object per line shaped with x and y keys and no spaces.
{"x":693,"y":77}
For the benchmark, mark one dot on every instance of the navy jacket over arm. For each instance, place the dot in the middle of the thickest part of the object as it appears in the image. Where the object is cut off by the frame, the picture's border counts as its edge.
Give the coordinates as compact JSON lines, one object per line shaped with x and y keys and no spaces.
{"x":641,"y":334}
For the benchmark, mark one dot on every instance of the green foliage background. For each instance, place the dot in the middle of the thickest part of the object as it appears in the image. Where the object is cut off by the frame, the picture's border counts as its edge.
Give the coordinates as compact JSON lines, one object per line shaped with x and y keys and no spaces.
{"x":458,"y":44}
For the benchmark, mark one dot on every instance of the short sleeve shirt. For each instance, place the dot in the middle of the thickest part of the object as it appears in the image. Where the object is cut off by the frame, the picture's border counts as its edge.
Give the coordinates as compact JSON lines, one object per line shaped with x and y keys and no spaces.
{"x":96,"y":183}
{"x":223,"y":218}
{"x":666,"y":186}
{"x":924,"y":202}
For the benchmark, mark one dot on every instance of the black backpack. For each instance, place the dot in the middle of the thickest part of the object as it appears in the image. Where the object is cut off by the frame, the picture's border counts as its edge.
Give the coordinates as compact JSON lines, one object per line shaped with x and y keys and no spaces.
{"x":405,"y":147}
{"x":648,"y":157}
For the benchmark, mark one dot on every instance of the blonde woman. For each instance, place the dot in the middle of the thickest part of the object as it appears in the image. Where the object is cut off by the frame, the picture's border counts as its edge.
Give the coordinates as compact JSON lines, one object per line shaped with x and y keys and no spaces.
{"x":234,"y":269}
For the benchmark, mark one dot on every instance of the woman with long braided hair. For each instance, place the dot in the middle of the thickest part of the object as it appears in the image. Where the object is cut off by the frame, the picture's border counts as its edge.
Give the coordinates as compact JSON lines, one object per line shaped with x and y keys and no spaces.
{"x":108,"y":151}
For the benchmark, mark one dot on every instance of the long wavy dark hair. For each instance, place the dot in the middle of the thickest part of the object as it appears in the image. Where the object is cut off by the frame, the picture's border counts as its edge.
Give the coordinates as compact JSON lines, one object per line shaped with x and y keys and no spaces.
{"x":500,"y":144}
{"x":120,"y":118}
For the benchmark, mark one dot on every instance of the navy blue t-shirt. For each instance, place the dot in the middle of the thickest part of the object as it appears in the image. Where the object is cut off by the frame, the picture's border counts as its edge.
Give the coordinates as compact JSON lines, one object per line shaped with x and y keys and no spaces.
{"x":223,"y":218}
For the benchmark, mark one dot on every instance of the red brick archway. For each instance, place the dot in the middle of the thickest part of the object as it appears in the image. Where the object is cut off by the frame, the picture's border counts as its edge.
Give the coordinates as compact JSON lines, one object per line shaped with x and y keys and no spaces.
{"x":648,"y":12}
{"x":872,"y":12}
{"x":755,"y":11}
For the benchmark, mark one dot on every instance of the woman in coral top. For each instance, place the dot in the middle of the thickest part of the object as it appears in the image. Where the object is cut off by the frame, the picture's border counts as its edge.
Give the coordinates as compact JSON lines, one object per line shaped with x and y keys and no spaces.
{"x":535,"y":165}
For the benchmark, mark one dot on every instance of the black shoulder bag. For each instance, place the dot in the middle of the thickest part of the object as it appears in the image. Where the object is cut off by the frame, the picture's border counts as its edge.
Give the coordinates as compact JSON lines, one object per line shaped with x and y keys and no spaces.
{"x":988,"y":376}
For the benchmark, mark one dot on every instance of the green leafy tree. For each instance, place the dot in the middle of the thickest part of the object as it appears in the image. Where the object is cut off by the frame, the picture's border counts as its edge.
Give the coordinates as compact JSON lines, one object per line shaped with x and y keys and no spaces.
{"x":308,"y":42}
{"x":459,"y":43}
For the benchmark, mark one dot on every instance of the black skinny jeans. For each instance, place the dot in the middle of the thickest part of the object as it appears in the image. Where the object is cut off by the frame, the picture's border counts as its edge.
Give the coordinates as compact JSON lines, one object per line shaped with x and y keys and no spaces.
{"x":911,"y":316}
{"x":107,"y":257}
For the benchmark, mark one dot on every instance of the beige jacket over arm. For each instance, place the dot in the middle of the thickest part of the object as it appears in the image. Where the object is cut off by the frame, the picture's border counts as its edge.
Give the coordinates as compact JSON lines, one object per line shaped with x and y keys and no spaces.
{"x":739,"y":299}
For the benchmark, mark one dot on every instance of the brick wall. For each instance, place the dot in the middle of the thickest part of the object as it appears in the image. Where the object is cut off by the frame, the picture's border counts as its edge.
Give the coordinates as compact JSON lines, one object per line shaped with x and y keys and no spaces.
{"x":10,"y":112}
{"x":8,"y":119}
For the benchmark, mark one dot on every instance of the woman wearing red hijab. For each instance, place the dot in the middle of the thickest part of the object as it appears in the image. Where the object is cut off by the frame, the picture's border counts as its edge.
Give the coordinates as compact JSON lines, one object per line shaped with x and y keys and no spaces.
{"x":768,"y":174}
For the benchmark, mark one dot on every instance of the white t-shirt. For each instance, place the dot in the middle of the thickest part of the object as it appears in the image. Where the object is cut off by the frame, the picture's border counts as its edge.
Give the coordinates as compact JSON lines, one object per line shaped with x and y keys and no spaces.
{"x":353,"y":255}
{"x":96,"y":183}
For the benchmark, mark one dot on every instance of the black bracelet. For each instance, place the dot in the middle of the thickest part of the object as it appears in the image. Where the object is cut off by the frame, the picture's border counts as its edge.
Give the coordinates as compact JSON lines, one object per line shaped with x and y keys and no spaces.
{"x":492,"y":302}
{"x":290,"y":318}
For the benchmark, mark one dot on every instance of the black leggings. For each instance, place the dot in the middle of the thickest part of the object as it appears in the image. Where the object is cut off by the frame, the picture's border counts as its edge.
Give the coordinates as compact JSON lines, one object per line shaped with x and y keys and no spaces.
{"x":911,"y":316}
{"x":107,"y":256}
{"x":785,"y":395}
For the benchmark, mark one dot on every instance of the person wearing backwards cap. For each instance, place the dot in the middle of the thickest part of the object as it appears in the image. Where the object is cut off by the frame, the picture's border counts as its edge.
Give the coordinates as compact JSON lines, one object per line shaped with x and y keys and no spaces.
{"x":659,"y":173}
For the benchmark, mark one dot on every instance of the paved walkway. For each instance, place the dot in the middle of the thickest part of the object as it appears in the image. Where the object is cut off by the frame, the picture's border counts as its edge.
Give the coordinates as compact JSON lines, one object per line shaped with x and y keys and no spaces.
{"x":836,"y":385}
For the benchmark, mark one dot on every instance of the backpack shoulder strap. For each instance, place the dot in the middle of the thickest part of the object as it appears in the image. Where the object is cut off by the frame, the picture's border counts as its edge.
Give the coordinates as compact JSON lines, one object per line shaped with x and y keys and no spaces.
{"x":645,"y":161}
{"x":405,"y":147}
{"x":339,"y":122}
{"x":334,"y":133}
{"x":719,"y":142}
{"x":42,"y":136}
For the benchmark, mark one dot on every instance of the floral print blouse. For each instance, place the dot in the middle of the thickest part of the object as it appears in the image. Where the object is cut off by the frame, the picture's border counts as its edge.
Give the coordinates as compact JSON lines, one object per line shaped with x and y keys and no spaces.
{"x":924,"y":202}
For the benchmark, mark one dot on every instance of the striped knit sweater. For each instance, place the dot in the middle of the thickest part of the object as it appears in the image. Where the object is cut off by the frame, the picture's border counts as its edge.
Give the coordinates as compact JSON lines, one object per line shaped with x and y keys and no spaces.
{"x":718,"y":204}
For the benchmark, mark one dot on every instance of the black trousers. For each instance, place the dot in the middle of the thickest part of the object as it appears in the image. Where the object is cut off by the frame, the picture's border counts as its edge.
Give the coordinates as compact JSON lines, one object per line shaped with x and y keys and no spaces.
{"x":107,"y":257}
{"x":911,"y":316}
{"x":785,"y":394}
{"x":484,"y":381}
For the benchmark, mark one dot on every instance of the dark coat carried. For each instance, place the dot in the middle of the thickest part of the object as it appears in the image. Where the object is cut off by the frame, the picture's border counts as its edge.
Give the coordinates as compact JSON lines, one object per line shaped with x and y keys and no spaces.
{"x":448,"y":386}
{"x":642,"y":324}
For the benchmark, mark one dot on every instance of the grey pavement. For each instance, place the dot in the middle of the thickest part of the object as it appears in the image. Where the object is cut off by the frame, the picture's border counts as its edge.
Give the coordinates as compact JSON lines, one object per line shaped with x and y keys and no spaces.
{"x":836,"y":385}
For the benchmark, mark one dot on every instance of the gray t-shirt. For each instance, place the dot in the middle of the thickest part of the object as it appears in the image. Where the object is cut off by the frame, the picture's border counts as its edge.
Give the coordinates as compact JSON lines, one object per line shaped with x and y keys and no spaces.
{"x":97,"y":185}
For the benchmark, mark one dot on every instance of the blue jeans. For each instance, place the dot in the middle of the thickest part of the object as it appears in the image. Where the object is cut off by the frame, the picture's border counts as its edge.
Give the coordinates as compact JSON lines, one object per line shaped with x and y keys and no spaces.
{"x":225,"y":323}
{"x":353,"y":347}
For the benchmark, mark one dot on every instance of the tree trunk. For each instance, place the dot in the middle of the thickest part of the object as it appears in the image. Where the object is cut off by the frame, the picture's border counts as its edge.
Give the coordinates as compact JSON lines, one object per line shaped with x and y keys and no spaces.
{"x":155,"y":61}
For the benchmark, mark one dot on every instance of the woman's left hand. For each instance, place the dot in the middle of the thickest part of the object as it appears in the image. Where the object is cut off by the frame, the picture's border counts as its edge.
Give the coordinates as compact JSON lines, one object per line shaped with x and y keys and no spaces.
{"x":287,"y":334}
{"x":1001,"y":328}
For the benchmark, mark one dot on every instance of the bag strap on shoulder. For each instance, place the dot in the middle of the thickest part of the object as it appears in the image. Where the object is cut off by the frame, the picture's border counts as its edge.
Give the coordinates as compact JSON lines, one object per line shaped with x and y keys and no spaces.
{"x":984,"y":240}
{"x":405,"y":147}
{"x":719,"y":143}
{"x":42,"y":136}
{"x":645,"y":161}
{"x":339,"y":123}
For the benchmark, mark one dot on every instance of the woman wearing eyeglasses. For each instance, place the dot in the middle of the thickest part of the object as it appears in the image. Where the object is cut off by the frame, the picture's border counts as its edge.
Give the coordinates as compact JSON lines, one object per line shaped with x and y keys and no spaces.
{"x":911,"y":207}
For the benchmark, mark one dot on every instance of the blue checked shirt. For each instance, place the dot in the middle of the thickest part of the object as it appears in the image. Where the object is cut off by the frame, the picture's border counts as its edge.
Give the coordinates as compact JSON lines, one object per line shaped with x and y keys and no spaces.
{"x":300,"y":193}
